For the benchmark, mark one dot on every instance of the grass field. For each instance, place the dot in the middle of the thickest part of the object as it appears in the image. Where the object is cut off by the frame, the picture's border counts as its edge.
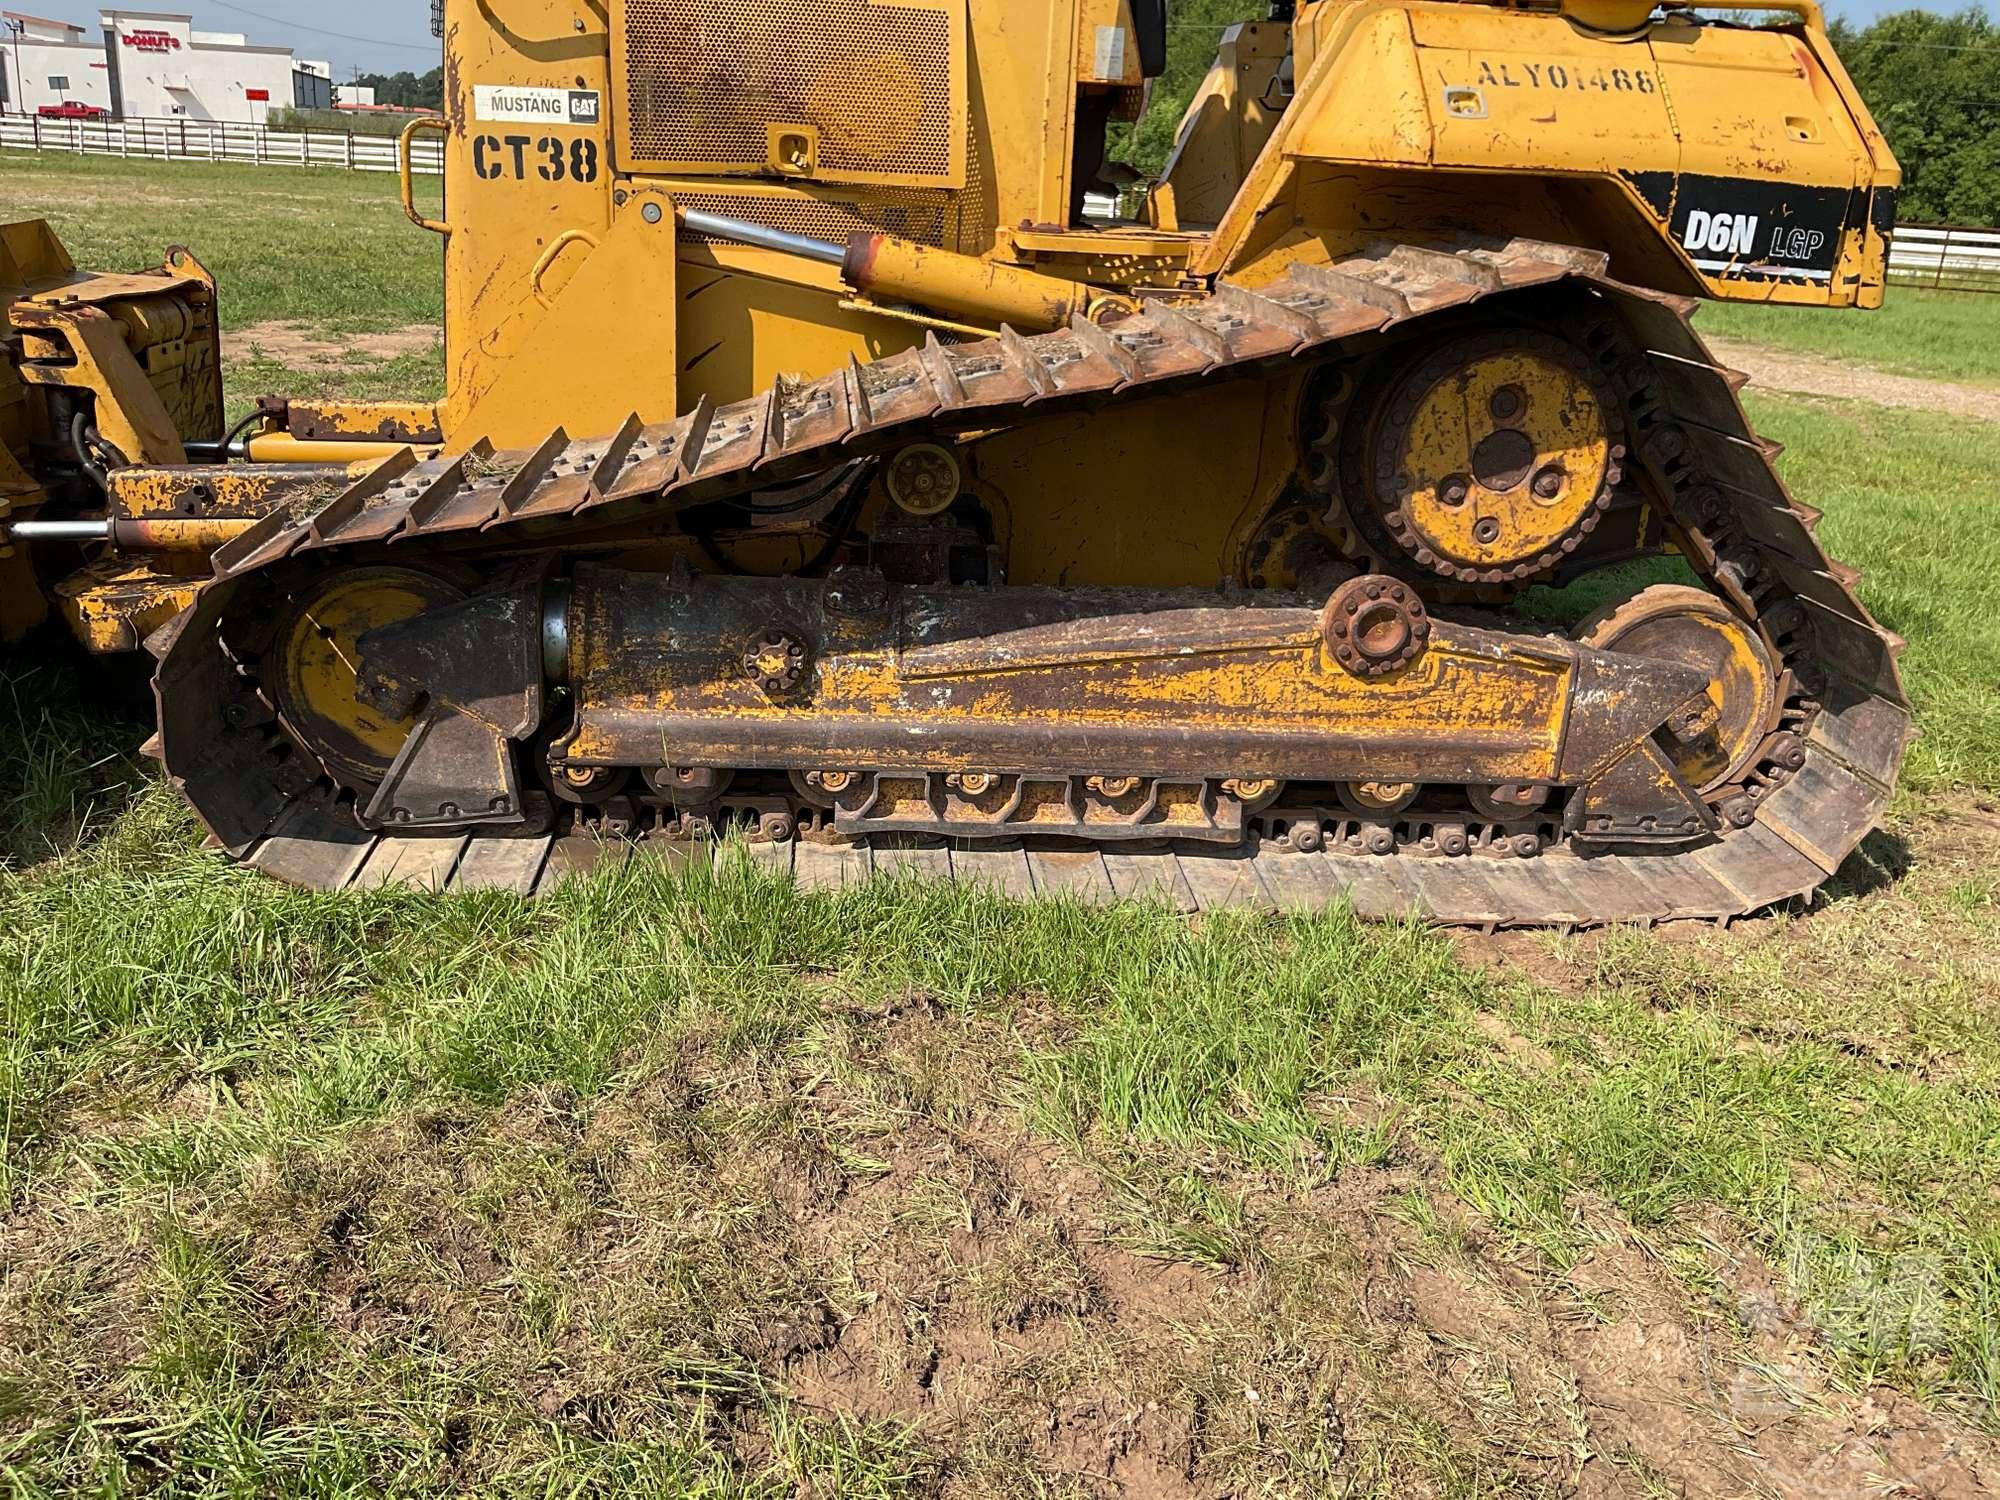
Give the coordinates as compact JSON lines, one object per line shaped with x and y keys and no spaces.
{"x":1942,"y":335}
{"x":682,"y":1183}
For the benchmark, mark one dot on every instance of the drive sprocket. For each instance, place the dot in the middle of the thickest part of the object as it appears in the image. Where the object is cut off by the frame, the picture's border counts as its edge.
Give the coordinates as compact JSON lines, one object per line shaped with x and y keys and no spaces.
{"x":1487,"y":459}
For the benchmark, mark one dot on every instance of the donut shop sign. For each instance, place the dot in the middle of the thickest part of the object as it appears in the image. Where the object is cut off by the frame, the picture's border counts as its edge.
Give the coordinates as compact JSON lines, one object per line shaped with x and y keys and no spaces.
{"x":151,"y":41}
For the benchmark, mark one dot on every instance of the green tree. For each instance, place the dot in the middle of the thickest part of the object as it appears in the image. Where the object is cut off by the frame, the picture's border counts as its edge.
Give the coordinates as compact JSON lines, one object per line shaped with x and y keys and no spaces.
{"x":1933,"y":84}
{"x":1194,"y":27}
{"x":407,"y":90}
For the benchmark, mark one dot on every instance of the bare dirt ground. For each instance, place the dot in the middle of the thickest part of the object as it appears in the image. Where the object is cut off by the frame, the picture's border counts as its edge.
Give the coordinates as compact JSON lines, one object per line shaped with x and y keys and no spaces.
{"x":981,"y":1285}
{"x":1813,"y":375}
{"x":300,"y":345}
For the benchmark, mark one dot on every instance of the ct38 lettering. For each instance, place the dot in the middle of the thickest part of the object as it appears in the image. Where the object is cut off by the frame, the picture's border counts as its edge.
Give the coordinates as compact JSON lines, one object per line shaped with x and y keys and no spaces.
{"x":553,"y":159}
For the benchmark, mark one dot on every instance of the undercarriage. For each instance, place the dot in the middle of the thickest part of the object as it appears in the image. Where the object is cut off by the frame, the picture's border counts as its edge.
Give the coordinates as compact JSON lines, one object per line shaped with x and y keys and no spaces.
{"x":816,"y":616}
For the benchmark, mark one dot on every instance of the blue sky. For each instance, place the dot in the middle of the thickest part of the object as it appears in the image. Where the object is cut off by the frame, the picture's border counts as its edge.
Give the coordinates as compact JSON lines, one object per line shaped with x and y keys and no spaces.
{"x":386,"y":36}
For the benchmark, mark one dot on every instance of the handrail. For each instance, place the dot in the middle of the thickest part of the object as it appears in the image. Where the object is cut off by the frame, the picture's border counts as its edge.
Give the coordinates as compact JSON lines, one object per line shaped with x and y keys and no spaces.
{"x":406,"y":180}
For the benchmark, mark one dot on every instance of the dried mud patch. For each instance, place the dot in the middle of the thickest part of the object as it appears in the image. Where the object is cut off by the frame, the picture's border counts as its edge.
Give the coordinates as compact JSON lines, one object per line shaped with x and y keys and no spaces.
{"x":1818,"y":375}
{"x":300,"y":346}
{"x":865,"y":1234}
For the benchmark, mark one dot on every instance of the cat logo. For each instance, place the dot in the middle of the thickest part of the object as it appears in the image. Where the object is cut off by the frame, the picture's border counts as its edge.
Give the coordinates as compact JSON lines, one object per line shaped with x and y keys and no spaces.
{"x":1720,"y":234}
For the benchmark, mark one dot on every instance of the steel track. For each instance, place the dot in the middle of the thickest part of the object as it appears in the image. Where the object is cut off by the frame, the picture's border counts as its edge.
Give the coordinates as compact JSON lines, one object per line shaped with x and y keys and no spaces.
{"x":1790,"y":827}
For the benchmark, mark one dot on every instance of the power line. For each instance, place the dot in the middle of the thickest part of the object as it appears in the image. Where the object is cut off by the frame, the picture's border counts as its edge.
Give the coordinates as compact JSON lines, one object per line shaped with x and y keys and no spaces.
{"x":1884,"y":41}
{"x":366,"y":41}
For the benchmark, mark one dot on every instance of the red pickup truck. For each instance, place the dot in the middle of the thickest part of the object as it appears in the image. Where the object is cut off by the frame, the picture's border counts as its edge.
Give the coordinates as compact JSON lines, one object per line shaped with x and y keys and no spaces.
{"x":73,"y":109}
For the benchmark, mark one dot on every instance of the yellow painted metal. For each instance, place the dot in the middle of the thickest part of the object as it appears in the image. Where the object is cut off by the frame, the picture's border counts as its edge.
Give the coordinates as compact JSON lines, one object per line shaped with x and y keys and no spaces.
{"x":1695,"y":628}
{"x":573,"y":130}
{"x":338,"y":418}
{"x":112,"y":604}
{"x":406,"y":182}
{"x":147,"y":492}
{"x":1208,"y":671}
{"x":894,"y":270}
{"x":1470,"y":477}
{"x":842,"y":90}
{"x":142,"y":347}
{"x":1226,"y":125}
{"x":283,"y":448}
{"x":1443,"y":117}
{"x":129,"y":412}
{"x":601,"y":302}
{"x":1094,"y":497}
{"x":317,"y":654}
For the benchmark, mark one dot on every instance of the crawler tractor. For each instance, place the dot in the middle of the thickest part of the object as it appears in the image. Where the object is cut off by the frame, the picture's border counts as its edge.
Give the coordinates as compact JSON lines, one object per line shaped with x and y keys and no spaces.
{"x":813,"y":464}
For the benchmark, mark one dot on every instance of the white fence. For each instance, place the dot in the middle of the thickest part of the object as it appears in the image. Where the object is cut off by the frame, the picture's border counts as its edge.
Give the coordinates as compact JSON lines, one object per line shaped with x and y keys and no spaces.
{"x":218,"y":140}
{"x":1950,"y":257}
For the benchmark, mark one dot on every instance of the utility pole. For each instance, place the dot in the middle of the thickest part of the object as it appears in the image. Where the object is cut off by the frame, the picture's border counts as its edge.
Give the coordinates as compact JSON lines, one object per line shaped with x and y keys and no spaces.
{"x":17,"y":27}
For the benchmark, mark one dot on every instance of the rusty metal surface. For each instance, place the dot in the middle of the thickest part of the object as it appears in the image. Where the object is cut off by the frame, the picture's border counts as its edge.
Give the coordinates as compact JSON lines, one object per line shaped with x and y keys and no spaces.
{"x":1752,"y":543}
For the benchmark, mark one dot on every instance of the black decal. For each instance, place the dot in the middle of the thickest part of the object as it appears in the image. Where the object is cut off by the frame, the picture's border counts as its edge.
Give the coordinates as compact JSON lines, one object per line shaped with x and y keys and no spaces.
{"x":1657,"y":188}
{"x":1621,"y":80}
{"x":1508,"y":78}
{"x":1486,"y":73}
{"x":552,"y":169}
{"x":1748,"y":230}
{"x":1534,"y":75}
{"x":518,"y":144}
{"x":1645,"y":82}
{"x":482,"y":167}
{"x":583,"y":160}
{"x":1882,"y":210}
{"x":1558,"y":76}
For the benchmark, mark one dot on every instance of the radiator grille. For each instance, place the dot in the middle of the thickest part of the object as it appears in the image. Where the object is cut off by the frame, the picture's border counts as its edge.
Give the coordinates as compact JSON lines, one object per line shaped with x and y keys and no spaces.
{"x":928,"y":221}
{"x":881,"y":82}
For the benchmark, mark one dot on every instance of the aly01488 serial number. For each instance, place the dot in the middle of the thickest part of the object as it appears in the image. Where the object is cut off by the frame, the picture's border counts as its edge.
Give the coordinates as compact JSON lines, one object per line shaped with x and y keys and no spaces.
{"x":551,"y":158}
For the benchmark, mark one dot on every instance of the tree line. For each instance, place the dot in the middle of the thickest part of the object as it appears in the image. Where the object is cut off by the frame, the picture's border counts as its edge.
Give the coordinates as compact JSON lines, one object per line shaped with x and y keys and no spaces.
{"x":407,"y":90}
{"x":1933,"y":84}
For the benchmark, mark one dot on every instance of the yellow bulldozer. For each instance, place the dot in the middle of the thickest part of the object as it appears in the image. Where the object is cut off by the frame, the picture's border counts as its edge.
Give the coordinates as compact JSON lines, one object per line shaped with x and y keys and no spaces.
{"x":833,"y":451}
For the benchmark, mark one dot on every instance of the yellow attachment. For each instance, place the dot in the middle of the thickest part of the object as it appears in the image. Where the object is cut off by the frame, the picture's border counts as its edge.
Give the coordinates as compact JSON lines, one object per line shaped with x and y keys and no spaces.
{"x":317,"y":656}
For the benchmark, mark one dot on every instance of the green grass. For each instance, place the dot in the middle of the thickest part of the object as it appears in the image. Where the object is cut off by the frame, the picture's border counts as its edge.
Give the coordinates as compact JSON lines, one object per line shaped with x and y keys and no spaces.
{"x":1937,"y":335}
{"x":327,"y":247}
{"x":691,"y":1184}
{"x":1904,"y":495}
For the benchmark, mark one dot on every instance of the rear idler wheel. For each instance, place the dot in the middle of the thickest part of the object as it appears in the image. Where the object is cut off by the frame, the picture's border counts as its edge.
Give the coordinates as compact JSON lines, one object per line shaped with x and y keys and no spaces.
{"x":1694,"y":628}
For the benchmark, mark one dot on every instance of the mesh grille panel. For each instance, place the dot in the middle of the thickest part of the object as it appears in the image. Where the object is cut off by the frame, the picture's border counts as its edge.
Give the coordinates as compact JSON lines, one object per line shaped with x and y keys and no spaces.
{"x":928,"y":221}
{"x":703,"y":79}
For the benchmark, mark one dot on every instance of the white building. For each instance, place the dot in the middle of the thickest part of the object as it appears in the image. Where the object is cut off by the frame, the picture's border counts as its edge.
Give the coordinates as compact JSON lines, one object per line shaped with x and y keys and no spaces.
{"x":150,"y":64}
{"x":50,"y":62}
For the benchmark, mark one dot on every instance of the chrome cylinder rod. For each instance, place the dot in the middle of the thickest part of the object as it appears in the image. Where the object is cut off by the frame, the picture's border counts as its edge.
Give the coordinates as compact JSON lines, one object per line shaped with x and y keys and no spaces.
{"x":760,"y":235}
{"x":58,"y":531}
